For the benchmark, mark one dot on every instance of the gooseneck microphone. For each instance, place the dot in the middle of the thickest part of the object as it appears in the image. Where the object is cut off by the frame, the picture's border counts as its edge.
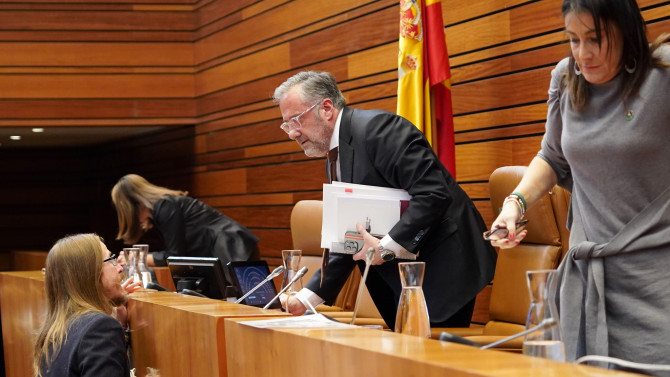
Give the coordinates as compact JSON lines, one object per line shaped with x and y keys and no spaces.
{"x":301,"y":272}
{"x":271,"y":276}
{"x":158,"y":287}
{"x":369,"y":256}
{"x":547,"y":323}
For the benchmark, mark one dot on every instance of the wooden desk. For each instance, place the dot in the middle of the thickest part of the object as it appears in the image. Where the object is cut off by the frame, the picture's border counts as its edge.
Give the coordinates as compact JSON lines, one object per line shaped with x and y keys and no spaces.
{"x":180,"y":335}
{"x":366,"y":352}
{"x":183,"y":335}
{"x":23,"y":306}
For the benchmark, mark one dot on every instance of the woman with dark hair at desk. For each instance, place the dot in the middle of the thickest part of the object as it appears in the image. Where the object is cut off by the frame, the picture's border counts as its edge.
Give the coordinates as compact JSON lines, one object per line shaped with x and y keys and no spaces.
{"x":188,"y":226}
{"x":606,"y":140}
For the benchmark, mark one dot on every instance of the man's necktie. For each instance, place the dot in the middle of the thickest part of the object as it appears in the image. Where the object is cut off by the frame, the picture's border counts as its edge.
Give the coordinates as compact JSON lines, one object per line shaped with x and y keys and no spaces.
{"x":332,"y":176}
{"x":332,"y":165}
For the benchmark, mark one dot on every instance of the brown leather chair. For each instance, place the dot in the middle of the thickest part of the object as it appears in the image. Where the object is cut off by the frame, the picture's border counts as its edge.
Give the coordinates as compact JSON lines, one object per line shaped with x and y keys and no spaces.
{"x":306,"y":234}
{"x":542,"y":248}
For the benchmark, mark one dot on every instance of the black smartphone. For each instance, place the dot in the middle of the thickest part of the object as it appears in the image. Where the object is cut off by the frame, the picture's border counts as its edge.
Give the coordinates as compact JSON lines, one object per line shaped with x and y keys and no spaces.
{"x":502,"y":232}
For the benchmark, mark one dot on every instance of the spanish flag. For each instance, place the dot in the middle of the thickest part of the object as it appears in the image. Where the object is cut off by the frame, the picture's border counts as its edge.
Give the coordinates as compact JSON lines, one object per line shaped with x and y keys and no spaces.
{"x":424,"y":77}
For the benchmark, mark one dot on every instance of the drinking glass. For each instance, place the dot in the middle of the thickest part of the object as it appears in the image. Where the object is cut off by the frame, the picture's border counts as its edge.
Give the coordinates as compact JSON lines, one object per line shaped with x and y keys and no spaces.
{"x":412,"y":315}
{"x":546,"y":342}
{"x":132,"y":255}
{"x":143,"y":270}
{"x":291,"y":260}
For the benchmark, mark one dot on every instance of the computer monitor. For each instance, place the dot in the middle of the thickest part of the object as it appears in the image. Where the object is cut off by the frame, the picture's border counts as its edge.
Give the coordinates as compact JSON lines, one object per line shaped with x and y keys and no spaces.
{"x":245,"y":275}
{"x":203,"y":275}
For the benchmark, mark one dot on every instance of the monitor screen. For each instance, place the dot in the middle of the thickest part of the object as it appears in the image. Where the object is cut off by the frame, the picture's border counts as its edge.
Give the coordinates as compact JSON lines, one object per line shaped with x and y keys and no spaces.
{"x":246,"y":275}
{"x":203,"y":275}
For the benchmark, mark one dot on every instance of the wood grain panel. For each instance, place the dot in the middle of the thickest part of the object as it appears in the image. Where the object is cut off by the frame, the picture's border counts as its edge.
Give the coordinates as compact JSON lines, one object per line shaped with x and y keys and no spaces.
{"x":28,"y":260}
{"x":505,"y":65}
{"x":257,"y":217}
{"x":101,"y":21}
{"x":87,"y":36}
{"x":501,"y":133}
{"x":95,"y":54}
{"x":457,"y":11}
{"x":495,"y":118}
{"x":476,"y":162}
{"x":268,"y":24}
{"x":357,"y":35}
{"x":96,"y":86}
{"x":273,"y":241}
{"x":299,"y":176}
{"x":244,"y":69}
{"x":373,"y":61}
{"x":496,"y":92}
{"x":84,"y":108}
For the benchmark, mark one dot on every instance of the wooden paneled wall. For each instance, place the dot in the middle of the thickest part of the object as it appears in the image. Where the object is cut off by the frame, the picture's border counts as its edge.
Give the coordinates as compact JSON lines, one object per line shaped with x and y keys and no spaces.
{"x":501,"y":54}
{"x":206,"y":69}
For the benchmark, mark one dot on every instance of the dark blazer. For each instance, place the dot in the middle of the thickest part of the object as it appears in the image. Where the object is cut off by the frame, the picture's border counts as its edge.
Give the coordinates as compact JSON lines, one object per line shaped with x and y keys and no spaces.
{"x":441,"y":224}
{"x":95,"y":346}
{"x":191,"y":228}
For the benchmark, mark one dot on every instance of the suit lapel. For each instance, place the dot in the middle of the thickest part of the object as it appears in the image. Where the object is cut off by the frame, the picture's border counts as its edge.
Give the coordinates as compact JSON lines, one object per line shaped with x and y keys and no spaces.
{"x":346,"y":149}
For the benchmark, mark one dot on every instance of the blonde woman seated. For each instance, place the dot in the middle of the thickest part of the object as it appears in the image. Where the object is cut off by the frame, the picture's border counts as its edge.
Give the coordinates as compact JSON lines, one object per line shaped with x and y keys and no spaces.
{"x":79,"y":336}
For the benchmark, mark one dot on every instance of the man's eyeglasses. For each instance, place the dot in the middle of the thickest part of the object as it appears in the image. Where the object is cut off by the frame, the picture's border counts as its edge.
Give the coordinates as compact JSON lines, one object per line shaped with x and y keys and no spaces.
{"x":294,"y":123}
{"x":111,"y":259}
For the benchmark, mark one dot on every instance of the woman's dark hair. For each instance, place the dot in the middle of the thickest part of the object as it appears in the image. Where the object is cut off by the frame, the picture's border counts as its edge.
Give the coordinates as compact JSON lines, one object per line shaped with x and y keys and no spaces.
{"x":608,"y":15}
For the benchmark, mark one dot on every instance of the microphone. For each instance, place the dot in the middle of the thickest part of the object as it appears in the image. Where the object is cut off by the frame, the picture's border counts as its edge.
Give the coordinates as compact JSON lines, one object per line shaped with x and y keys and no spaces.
{"x":301,"y":272}
{"x":158,"y":287}
{"x":187,"y":291}
{"x":369,"y":256}
{"x":271,"y":276}
{"x":546,"y":323}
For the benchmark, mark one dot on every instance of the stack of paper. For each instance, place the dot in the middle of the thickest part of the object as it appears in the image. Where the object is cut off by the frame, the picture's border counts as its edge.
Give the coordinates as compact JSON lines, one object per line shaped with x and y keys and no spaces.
{"x":345,"y":204}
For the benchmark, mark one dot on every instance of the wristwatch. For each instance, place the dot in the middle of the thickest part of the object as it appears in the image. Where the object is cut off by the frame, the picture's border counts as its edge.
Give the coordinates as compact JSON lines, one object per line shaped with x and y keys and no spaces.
{"x":387,"y":255}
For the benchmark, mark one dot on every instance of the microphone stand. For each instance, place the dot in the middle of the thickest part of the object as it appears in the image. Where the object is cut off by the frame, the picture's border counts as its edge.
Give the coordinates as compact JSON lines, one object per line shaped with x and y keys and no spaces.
{"x":548,"y":322}
{"x":297,"y":276}
{"x":369,"y":256}
{"x":272,"y":275}
{"x":445,"y":336}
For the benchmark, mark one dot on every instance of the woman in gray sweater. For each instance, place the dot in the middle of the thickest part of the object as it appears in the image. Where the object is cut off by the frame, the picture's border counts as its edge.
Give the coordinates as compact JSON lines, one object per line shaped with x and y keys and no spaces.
{"x":606,"y":141}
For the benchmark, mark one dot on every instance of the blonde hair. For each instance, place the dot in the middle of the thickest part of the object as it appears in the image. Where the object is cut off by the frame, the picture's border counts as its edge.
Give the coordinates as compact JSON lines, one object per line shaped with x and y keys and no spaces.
{"x":73,"y":287}
{"x":128,"y":193}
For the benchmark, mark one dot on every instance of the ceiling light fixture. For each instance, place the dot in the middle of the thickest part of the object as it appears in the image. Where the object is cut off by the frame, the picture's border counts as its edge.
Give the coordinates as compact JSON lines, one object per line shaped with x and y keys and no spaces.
{"x":15,"y":137}
{"x":38,"y":130}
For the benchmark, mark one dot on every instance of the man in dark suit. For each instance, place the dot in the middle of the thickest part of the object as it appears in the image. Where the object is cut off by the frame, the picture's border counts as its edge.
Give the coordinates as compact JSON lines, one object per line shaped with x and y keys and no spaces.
{"x":441,"y":226}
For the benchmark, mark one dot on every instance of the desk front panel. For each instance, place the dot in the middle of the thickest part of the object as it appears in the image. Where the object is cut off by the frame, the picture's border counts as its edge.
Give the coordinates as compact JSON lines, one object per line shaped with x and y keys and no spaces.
{"x":366,"y":352}
{"x":183,"y":335}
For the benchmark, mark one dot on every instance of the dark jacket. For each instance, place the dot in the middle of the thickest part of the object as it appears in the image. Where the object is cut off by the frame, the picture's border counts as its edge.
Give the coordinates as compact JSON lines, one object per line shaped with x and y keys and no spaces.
{"x":95,"y":347}
{"x":441,"y":224}
{"x":191,"y":228}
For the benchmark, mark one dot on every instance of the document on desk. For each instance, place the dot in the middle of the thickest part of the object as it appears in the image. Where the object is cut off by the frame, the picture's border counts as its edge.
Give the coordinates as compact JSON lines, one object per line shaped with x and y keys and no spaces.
{"x":312,"y":321}
{"x":345,"y":204}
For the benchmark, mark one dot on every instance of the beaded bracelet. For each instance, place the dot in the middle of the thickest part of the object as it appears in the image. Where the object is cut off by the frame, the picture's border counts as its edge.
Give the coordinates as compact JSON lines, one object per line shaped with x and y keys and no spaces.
{"x":517,"y":201}
{"x":523,"y":200}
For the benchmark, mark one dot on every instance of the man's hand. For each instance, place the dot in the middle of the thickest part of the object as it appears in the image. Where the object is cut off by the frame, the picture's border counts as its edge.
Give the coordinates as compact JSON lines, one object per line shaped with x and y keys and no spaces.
{"x":369,"y":241}
{"x":292,"y":305}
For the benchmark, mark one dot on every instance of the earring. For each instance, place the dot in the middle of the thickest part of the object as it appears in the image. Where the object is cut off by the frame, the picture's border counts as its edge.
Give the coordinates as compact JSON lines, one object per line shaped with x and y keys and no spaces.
{"x":577,"y":71}
{"x":631,"y":70}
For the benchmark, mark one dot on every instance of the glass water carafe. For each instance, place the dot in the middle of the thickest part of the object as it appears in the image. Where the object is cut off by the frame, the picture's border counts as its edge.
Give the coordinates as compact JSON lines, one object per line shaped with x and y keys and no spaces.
{"x":412,"y":316}
{"x":546,"y":342}
{"x":143,"y":270}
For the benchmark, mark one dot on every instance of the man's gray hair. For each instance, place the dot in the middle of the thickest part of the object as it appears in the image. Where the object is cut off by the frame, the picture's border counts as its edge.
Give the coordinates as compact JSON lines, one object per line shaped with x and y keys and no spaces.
{"x":315,"y":86}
